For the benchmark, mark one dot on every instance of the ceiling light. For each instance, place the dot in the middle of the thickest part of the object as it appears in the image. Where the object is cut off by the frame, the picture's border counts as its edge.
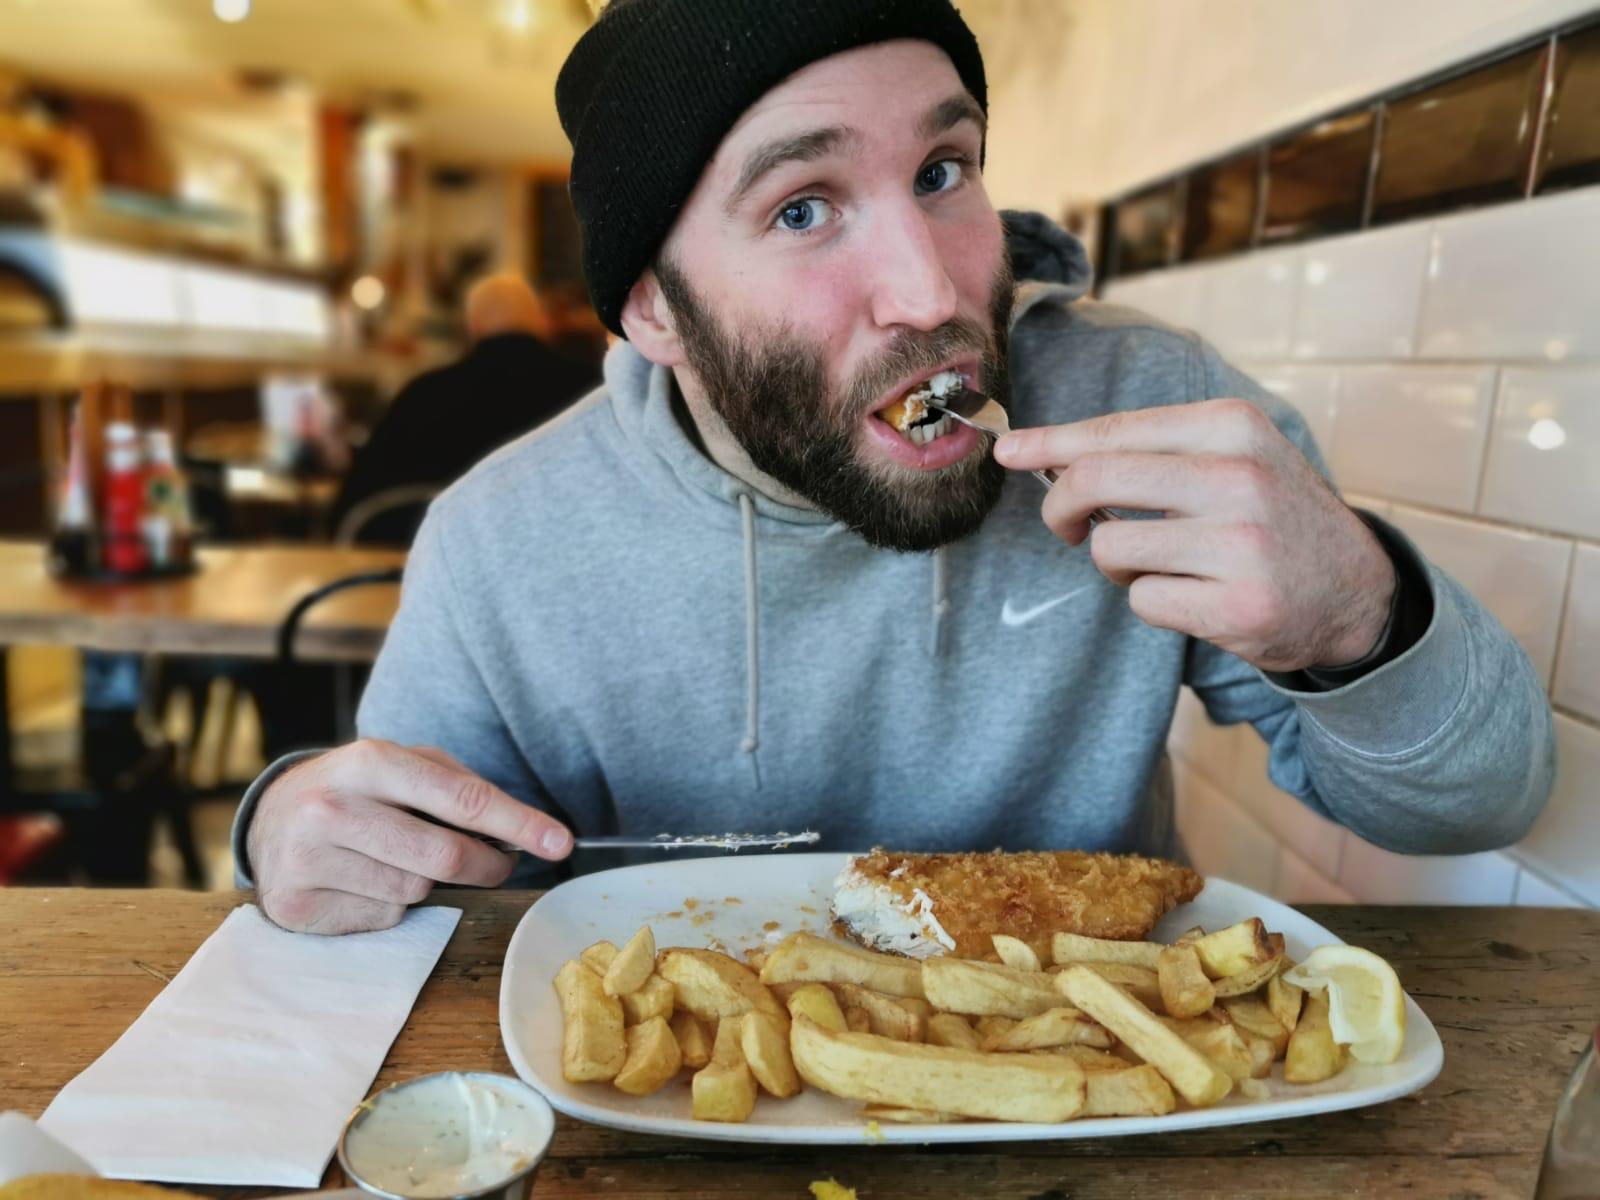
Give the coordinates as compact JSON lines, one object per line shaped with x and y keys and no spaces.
{"x":367,"y":292}
{"x":517,"y":15}
{"x":231,"y":11}
{"x":1547,"y":435}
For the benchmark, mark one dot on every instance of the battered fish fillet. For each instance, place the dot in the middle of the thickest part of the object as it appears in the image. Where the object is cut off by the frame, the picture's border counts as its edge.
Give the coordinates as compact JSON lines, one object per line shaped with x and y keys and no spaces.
{"x":923,"y":905}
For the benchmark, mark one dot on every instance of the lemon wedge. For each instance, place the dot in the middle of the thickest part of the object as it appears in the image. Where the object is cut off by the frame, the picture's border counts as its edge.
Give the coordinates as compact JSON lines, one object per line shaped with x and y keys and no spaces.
{"x":1366,"y":1006}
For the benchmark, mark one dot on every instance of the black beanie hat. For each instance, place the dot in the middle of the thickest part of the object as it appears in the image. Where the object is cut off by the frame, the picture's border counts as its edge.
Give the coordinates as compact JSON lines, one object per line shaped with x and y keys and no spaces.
{"x":650,"y":91}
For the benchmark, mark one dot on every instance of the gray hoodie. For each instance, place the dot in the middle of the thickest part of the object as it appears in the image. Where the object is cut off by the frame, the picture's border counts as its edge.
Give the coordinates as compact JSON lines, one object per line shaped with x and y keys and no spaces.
{"x":605,"y":624}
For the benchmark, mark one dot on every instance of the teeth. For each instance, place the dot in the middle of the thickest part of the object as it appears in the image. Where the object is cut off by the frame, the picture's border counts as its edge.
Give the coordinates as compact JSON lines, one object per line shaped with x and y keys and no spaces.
{"x":921,"y":435}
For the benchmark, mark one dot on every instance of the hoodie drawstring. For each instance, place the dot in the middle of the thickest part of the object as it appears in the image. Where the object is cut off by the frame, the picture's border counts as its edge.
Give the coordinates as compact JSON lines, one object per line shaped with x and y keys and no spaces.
{"x":752,"y":645}
{"x":941,"y":602}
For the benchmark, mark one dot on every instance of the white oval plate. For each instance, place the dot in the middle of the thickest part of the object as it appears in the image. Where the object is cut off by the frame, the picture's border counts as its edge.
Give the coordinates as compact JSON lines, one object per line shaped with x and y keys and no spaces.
{"x":743,"y":901}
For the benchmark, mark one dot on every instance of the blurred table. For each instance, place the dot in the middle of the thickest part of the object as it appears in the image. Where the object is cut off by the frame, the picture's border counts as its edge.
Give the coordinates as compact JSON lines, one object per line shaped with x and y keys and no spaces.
{"x":1513,"y":992}
{"x":232,"y":605}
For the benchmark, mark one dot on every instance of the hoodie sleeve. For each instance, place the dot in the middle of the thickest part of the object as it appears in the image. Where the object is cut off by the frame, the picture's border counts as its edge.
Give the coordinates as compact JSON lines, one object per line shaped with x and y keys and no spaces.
{"x":425,"y":690}
{"x":1446,"y":749}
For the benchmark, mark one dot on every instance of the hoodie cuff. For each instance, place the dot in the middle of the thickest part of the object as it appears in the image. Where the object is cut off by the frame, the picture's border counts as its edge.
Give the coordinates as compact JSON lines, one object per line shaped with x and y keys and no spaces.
{"x":247,"y":807}
{"x":1393,"y":710}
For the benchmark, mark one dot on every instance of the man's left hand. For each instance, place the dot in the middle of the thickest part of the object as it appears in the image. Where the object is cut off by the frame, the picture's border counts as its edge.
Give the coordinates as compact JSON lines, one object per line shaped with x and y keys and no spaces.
{"x":1256,"y":553}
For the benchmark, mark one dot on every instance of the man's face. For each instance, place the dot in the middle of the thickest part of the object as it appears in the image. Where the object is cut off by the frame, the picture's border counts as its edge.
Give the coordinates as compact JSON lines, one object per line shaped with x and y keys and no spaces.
{"x":837,"y":252}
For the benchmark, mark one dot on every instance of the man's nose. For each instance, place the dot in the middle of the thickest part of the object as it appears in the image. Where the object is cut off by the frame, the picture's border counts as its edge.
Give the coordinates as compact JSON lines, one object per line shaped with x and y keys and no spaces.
{"x":910,"y":285}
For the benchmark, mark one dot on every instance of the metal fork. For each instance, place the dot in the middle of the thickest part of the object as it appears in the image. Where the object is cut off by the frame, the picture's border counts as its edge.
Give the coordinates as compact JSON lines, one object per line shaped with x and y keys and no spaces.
{"x":979,"y":412}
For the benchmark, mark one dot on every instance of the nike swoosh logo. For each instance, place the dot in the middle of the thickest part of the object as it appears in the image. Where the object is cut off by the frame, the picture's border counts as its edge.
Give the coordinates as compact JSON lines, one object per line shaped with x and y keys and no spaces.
{"x":1011,"y":617}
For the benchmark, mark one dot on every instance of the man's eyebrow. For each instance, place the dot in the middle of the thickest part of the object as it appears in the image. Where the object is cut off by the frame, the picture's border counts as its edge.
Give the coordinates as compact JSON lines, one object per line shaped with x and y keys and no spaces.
{"x":803,"y":147}
{"x":947,"y":114}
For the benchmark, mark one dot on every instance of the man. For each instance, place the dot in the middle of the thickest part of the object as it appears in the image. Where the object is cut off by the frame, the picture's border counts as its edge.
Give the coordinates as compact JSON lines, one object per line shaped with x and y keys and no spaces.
{"x":723,"y":593}
{"x":445,"y":420}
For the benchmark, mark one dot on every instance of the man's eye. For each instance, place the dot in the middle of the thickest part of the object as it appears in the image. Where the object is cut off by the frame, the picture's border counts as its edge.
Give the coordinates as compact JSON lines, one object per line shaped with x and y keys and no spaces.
{"x":939,"y":177}
{"x":802,"y":216}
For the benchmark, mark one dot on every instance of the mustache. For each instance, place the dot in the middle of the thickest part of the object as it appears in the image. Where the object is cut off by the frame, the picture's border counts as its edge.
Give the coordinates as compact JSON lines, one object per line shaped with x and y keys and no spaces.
{"x":911,"y":353}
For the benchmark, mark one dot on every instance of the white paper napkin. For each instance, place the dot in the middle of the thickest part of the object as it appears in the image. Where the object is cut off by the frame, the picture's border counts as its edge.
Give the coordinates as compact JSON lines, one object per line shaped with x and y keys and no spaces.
{"x":245,"y":1067}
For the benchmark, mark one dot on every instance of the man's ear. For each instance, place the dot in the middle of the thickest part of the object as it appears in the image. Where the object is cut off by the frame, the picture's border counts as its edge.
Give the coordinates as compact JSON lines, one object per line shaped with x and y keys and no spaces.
{"x":647,"y":320}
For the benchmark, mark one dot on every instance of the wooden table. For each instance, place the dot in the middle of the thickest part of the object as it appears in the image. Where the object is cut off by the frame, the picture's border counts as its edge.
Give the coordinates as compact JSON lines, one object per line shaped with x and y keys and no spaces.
{"x":1512,"y":991}
{"x":232,"y":605}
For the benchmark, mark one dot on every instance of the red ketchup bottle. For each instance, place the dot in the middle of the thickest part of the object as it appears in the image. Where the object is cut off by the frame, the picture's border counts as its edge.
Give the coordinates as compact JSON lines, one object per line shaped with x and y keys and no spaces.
{"x":125,"y":551}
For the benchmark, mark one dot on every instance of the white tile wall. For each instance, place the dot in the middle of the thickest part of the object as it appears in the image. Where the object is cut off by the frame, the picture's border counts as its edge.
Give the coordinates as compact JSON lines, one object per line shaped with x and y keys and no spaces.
{"x":1520,"y":577}
{"x":1534,"y":892}
{"x":1450,"y":370}
{"x":1312,"y":391}
{"x":1413,"y":432}
{"x":1563,"y":845}
{"x":1172,"y":296}
{"x":1379,"y":877}
{"x":1246,"y":304}
{"x":1544,"y":456}
{"x":1221,"y":838}
{"x":1210,"y":749}
{"x":1315,"y":839}
{"x":1359,"y":295}
{"x":1578,"y":668}
{"x":1373,"y":504}
{"x":1516,"y":281}
{"x":1300,"y":883}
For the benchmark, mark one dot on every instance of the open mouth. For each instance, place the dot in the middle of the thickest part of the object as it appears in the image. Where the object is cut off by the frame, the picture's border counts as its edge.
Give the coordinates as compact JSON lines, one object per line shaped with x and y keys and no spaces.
{"x":911,"y":416}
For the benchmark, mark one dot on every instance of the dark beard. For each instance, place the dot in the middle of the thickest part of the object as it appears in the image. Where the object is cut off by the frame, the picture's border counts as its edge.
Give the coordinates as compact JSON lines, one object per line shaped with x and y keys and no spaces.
{"x":772,"y":391}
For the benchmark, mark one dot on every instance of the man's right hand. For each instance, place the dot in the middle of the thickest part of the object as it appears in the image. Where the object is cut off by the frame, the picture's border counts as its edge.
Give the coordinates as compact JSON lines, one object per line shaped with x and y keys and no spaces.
{"x":334,"y":848}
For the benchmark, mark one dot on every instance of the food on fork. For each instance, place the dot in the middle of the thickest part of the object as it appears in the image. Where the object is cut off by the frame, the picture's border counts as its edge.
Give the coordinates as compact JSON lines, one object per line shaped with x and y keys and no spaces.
{"x":925,"y":905}
{"x":911,"y":410}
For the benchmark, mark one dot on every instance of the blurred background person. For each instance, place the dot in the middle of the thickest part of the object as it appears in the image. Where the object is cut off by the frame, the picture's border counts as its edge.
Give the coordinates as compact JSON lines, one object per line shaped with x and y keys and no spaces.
{"x":511,"y":379}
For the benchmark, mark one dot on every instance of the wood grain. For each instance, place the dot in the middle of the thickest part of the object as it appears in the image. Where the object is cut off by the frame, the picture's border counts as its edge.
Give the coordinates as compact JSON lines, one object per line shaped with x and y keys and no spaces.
{"x":1513,"y":992}
{"x":232,"y":605}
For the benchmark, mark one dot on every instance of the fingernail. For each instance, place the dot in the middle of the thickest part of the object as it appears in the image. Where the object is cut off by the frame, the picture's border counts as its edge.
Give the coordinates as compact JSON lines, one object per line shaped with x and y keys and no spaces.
{"x":1005,"y":445}
{"x":555,"y":842}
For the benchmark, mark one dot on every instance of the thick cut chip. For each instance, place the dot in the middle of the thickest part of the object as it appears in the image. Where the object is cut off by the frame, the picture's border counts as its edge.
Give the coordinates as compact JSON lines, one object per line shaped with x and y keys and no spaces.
{"x":1197,"y":1079}
{"x":818,"y":1002}
{"x":904,"y":1018}
{"x":766,"y":1049}
{"x":655,"y":998}
{"x":598,"y":957}
{"x":1139,"y":982}
{"x":1313,"y":1055}
{"x":593,"y":1045}
{"x":951,"y":1029}
{"x":694,"y":1040}
{"x":724,"y":1089}
{"x":1185,"y":990}
{"x":713,"y":986}
{"x":1284,"y":999}
{"x":807,"y":958}
{"x":1016,"y":953}
{"x":632,"y":965}
{"x":1129,"y":1092}
{"x":1234,"y":949}
{"x":1058,"y":1027}
{"x":876,"y":1070}
{"x":1075,"y":948}
{"x":987,"y":989}
{"x":653,"y":1058}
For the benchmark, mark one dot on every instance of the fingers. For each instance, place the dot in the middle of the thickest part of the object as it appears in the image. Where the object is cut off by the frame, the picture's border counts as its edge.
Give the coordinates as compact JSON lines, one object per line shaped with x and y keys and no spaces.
{"x":451,"y":794}
{"x":325,"y":911}
{"x":1161,"y":483}
{"x":403,"y":842}
{"x":1125,"y":550}
{"x":1210,"y":427}
{"x":1174,"y":602}
{"x":363,"y":875}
